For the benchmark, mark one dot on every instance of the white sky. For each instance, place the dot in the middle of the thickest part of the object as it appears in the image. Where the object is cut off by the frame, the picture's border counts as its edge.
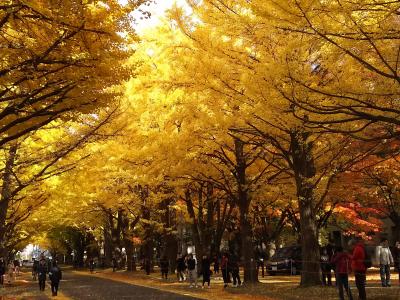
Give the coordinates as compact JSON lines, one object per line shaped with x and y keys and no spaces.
{"x":157,"y":11}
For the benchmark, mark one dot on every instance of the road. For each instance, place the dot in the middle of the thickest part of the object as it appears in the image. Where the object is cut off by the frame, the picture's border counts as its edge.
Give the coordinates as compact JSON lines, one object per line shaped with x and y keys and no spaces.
{"x":83,"y":287}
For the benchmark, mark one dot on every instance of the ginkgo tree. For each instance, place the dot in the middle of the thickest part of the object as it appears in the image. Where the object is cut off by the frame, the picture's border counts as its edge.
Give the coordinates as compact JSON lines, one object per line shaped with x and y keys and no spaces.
{"x":59,"y":57}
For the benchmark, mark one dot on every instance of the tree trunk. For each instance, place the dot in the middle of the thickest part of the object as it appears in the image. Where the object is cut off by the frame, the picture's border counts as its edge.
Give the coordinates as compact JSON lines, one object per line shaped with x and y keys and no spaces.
{"x":6,"y":194}
{"x":304,"y":169}
{"x":247,"y":249}
{"x":243,"y":199}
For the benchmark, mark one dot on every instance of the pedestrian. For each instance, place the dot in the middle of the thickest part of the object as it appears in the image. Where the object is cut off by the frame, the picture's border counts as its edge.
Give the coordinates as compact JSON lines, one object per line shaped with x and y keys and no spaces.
{"x":342,"y":262}
{"x":260,"y":256}
{"x":114,"y":263}
{"x":216,"y":264}
{"x":42,"y":271}
{"x":225,"y":269}
{"x":206,"y":271}
{"x":35,"y":267}
{"x":164,"y":266}
{"x":16,"y":267}
{"x":180,"y":268}
{"x":147,"y":265}
{"x":55,"y":275}
{"x":358,"y":266}
{"x":234,"y":268}
{"x":91,"y":265}
{"x":10,"y":272}
{"x":385,"y":259}
{"x":396,"y":254}
{"x":192,"y":271}
{"x":326,"y":268}
{"x":2,"y":271}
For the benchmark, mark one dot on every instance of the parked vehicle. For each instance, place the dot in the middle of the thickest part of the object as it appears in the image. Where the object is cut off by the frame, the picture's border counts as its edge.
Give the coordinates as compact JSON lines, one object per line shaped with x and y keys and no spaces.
{"x":27,"y":263}
{"x":285,"y":260}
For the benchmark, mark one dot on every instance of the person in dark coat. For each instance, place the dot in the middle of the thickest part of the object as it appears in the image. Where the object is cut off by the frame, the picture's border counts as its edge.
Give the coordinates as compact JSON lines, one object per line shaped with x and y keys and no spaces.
{"x":326,"y":267}
{"x":35,"y":267}
{"x":396,"y":257}
{"x":147,"y":265}
{"x":2,"y":271}
{"x":225,"y":269}
{"x":234,"y":267}
{"x":205,"y":269}
{"x":55,"y":275}
{"x":216,"y":264}
{"x":42,"y":272}
{"x":164,"y":266}
{"x":180,"y":267}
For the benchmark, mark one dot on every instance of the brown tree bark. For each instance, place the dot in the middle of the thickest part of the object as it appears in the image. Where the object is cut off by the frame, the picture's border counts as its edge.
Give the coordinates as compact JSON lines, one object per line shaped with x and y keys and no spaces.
{"x":304,"y":169}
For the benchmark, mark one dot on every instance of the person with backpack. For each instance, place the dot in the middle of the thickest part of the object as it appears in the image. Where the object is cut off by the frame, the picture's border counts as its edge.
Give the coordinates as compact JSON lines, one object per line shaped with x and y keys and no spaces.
{"x":385,"y":259}
{"x":359,"y":264}
{"x":342,"y":264}
{"x":55,"y":276}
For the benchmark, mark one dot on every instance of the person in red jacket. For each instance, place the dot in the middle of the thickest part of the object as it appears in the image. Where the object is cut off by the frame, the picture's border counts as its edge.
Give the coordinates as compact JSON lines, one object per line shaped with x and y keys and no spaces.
{"x":342,"y":264}
{"x":359,"y":268}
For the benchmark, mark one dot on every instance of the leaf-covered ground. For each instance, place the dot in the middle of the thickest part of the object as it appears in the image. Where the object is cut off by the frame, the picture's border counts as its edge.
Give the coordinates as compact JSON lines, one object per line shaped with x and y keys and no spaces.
{"x":276,"y":287}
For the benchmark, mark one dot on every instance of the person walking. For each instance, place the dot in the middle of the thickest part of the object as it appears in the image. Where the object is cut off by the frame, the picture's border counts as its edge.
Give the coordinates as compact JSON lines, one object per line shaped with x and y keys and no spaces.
{"x":216,"y":264}
{"x":16,"y":267}
{"x":234,"y":268}
{"x":42,"y":272}
{"x":359,"y":267}
{"x":2,"y":271}
{"x":206,"y":271}
{"x":180,"y":268}
{"x":10,"y":272}
{"x":342,"y":264}
{"x":114,"y":264}
{"x":35,"y":267}
{"x":225,"y":269}
{"x":192,"y":271}
{"x":326,"y":268}
{"x":164,"y":266}
{"x":92,"y":265}
{"x":396,"y":258}
{"x":385,"y":259}
{"x":55,"y":275}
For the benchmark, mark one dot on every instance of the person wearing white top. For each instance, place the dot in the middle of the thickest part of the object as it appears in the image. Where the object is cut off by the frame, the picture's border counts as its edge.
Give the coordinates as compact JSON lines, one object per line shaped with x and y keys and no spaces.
{"x":385,"y":259}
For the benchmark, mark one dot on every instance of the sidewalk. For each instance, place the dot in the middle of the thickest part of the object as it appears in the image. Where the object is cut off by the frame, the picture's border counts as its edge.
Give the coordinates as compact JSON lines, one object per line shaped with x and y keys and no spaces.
{"x":269,"y":288}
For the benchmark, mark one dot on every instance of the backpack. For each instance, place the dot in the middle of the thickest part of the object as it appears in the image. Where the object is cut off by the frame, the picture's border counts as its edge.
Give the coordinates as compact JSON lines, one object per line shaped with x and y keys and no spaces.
{"x":367,"y":259}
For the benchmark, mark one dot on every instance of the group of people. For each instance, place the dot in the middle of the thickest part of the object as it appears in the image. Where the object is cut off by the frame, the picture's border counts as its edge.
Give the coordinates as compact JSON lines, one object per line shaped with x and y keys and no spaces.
{"x":188,"y":265}
{"x":187,"y":269}
{"x":357,"y":261}
{"x":8,"y":271}
{"x":41,"y":269}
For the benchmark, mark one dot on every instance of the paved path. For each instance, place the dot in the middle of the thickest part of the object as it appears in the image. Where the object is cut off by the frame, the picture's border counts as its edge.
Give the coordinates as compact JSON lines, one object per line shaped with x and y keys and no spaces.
{"x":83,"y":287}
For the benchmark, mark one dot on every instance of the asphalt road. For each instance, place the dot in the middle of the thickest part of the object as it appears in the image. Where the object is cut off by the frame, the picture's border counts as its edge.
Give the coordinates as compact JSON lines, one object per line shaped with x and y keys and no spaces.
{"x":86,"y":287}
